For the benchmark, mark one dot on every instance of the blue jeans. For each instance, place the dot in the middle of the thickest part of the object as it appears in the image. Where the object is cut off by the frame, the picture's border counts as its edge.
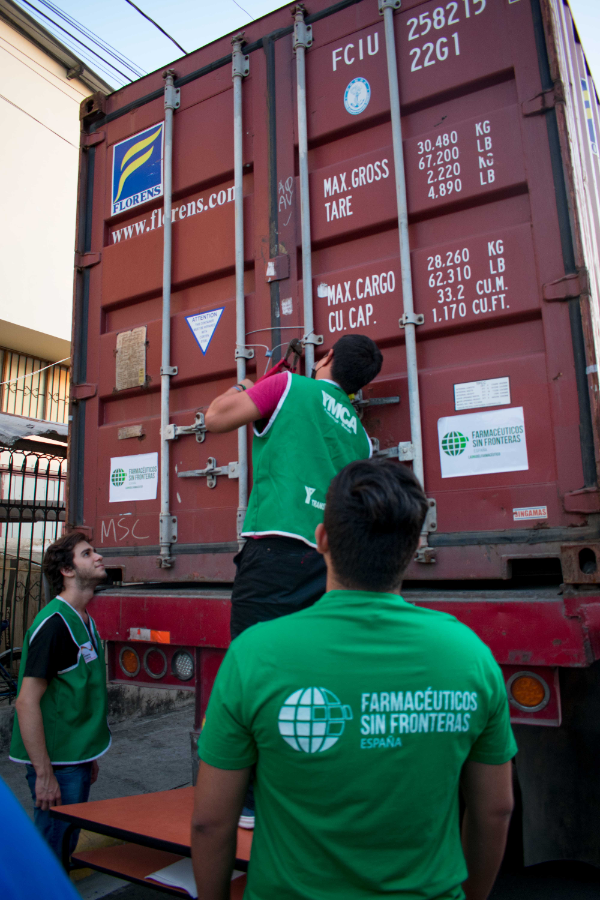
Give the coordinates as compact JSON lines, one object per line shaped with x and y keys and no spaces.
{"x":74,"y":784}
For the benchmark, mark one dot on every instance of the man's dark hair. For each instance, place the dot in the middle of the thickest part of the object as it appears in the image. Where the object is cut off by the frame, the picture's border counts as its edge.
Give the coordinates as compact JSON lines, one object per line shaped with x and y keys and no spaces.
{"x":374,"y":513}
{"x":59,"y":555}
{"x":356,"y":361}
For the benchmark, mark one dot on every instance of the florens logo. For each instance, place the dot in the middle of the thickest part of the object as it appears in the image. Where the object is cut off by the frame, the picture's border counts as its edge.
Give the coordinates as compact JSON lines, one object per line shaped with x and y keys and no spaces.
{"x":137,"y":169}
{"x":118,"y":477}
{"x":313,"y":719}
{"x":454,"y":443}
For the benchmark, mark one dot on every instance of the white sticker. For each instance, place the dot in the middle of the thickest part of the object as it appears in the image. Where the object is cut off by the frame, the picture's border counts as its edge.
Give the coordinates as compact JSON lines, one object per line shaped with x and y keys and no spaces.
{"x":203,"y":326}
{"x":357,"y":96}
{"x":483,"y":443}
{"x":133,"y":477}
{"x":476,"y":394}
{"x":88,"y":652}
{"x":530,"y":512}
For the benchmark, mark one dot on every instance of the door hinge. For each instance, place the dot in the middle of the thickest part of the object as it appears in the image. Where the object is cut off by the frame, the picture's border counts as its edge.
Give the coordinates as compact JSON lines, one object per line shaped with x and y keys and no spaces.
{"x":91,"y":140}
{"x":544,"y":101}
{"x":83,"y":392}
{"x":85,"y":260}
{"x":586,"y":500}
{"x":570,"y":287}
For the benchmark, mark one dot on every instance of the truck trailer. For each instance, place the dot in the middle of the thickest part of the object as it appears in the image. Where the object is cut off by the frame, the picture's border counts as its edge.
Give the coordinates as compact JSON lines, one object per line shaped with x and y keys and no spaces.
{"x":424,"y":172}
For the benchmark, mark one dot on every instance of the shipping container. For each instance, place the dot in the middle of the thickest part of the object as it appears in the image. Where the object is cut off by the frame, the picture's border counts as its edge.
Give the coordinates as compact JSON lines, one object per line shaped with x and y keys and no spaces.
{"x":426,"y":173}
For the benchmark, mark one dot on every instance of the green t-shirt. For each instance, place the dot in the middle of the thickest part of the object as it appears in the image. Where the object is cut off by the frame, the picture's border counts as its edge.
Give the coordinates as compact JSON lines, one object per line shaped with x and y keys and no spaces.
{"x":359,"y":713}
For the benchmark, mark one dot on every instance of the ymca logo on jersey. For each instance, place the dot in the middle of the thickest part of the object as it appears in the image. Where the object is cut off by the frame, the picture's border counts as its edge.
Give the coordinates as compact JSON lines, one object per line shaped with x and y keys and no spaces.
{"x":137,"y":174}
{"x":338,"y":412}
{"x":313,"y":719}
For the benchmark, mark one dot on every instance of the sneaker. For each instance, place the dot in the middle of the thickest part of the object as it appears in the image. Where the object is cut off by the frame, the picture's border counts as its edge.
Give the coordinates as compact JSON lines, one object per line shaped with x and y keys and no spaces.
{"x":246,"y":819}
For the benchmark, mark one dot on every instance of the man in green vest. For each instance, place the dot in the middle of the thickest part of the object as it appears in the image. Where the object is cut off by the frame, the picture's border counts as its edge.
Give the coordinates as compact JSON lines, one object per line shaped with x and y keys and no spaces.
{"x":60,"y":727}
{"x":305,"y":431}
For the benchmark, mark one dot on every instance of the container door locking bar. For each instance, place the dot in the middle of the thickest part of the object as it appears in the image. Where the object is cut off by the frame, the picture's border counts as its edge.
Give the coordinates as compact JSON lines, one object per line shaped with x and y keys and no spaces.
{"x":410,"y":320}
{"x":198,"y":428}
{"x":167,"y":522}
{"x":239,"y":70}
{"x":212,"y":470}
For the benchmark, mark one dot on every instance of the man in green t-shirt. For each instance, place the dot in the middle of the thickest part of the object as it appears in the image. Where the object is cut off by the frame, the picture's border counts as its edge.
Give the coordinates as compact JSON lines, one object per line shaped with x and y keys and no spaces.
{"x":362,"y":715}
{"x":305,"y":431}
{"x":60,"y":727}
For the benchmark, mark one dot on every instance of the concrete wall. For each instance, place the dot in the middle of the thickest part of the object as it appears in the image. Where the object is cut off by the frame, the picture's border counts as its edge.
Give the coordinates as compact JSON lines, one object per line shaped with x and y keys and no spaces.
{"x":39,"y":123}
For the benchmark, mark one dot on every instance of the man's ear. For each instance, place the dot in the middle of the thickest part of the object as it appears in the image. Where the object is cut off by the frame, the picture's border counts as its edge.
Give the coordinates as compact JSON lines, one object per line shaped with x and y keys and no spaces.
{"x":328,"y":358}
{"x":321,"y":539}
{"x":67,"y":573}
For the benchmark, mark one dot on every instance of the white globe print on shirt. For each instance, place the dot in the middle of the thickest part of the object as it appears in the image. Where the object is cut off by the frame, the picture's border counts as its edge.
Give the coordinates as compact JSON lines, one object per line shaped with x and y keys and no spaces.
{"x":313,"y":719}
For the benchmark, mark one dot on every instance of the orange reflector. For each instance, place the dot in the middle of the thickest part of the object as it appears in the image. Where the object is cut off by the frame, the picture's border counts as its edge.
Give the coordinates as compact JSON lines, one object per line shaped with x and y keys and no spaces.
{"x":528,"y":690}
{"x":130,"y":661}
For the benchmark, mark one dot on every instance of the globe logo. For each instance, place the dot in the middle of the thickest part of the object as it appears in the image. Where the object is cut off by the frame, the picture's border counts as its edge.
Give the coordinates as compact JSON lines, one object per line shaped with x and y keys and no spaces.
{"x":454,"y":443}
{"x":118,"y":477}
{"x":357,"y":96}
{"x":313,"y":719}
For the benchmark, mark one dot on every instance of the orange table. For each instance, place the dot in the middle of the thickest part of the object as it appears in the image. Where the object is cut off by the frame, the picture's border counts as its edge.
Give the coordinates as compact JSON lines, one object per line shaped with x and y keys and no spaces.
{"x":157,"y":829}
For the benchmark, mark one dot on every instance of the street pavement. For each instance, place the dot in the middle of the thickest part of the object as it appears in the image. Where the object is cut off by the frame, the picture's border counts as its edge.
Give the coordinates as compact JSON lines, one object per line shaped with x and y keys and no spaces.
{"x":153,"y":754}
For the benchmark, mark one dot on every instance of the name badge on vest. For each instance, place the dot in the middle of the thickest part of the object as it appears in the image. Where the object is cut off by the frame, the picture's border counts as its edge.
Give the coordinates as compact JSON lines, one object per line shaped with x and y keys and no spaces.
{"x":88,"y":652}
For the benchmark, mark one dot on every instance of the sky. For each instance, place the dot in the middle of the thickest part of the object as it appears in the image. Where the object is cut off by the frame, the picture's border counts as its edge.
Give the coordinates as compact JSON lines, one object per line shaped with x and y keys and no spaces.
{"x":194,"y":23}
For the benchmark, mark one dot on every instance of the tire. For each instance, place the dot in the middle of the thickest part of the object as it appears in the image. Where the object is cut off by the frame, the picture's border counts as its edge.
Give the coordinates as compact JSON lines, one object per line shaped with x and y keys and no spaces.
{"x":11,"y":663}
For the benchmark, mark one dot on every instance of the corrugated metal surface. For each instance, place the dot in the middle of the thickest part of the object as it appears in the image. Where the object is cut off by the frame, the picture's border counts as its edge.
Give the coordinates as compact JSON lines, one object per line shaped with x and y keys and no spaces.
{"x":502,"y":176}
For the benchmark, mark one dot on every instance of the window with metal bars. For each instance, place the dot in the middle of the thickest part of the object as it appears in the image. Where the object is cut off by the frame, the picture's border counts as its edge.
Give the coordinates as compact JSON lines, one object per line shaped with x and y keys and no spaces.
{"x":33,"y":387}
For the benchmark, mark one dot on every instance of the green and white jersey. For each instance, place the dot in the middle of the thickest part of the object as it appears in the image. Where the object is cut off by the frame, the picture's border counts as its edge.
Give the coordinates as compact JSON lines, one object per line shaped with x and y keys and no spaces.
{"x":74,"y":706}
{"x":359,"y":714}
{"x":313,"y":433}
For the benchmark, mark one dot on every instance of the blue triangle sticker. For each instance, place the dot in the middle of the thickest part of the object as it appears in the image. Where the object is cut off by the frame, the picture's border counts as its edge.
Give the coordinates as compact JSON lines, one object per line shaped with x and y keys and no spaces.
{"x":203,"y":326}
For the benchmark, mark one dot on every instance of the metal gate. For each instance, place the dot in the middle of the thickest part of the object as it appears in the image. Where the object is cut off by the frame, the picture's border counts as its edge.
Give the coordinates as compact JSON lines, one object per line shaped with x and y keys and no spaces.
{"x":32,"y":516}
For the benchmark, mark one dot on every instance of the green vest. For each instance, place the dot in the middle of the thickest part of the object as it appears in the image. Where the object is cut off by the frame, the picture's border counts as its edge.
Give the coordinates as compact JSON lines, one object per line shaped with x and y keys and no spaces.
{"x":313,"y":433}
{"x":74,"y":706}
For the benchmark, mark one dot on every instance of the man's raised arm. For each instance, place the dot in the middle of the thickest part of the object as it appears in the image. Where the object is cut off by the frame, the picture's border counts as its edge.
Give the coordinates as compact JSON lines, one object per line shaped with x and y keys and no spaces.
{"x":232,"y":409}
{"x":489,"y":802}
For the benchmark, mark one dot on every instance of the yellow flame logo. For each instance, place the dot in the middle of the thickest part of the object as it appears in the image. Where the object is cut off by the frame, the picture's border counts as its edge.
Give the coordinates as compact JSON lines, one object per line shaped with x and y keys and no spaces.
{"x":141,"y":145}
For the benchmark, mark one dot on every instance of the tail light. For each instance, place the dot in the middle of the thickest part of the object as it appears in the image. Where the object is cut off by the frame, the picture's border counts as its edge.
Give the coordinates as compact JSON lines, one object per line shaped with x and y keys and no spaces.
{"x":528,"y":691}
{"x":129,"y":661}
{"x":533,"y":695}
{"x":155,"y":662}
{"x":182,"y":665}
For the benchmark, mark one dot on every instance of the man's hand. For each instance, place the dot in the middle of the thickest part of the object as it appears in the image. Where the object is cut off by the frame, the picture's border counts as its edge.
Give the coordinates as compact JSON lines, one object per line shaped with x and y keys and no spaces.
{"x":47,"y":789}
{"x":95,"y":770}
{"x":231,"y":410}
{"x":489,"y":803}
{"x":218,"y":800}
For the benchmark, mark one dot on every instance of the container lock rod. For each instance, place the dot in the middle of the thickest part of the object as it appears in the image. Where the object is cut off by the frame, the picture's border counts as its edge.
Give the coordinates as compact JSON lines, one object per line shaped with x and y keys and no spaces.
{"x":409,"y":320}
{"x":302,"y":41}
{"x":240,"y":69}
{"x":167,"y":522}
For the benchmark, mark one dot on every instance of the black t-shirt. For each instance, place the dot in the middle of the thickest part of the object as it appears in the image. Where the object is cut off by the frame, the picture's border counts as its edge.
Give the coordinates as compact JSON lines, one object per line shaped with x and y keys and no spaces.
{"x":52,"y":650}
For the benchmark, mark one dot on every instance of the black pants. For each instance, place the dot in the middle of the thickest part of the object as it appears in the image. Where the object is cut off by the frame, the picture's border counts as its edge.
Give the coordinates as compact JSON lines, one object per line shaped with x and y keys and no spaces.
{"x":275,"y":576}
